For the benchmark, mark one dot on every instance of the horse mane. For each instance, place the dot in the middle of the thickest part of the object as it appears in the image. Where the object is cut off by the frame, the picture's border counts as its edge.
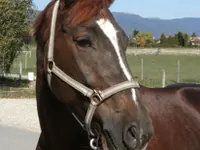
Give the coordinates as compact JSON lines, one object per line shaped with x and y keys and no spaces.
{"x":81,"y":11}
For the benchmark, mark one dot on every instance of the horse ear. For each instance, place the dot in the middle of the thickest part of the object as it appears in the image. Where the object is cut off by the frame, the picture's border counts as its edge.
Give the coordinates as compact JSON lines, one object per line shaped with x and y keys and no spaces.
{"x":68,"y":3}
{"x":109,"y":2}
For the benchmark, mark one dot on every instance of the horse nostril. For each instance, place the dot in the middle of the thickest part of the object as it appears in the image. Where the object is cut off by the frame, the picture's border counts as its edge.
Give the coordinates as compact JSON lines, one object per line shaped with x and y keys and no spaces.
{"x":145,"y":138}
{"x":131,"y":136}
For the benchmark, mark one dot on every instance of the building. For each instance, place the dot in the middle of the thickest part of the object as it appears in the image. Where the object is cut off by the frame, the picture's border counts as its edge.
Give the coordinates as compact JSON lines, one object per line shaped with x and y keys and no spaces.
{"x":195,"y":41}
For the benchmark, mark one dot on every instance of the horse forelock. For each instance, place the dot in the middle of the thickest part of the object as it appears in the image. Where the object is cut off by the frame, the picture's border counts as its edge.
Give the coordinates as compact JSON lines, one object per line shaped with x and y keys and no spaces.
{"x":81,"y":11}
{"x":85,"y":10}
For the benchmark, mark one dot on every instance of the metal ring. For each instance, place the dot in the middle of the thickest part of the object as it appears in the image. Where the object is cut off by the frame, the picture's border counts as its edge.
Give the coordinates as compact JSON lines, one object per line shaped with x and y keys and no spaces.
{"x":96,"y":95}
{"x":49,"y":69}
{"x":92,"y":144}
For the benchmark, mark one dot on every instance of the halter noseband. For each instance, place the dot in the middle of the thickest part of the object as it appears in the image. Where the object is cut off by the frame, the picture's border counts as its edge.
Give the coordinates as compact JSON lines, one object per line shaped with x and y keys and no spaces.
{"x":96,"y":97}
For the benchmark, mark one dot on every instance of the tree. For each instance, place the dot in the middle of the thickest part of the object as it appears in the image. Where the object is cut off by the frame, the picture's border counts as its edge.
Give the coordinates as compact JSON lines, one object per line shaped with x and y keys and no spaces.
{"x":162,"y":38}
{"x":194,"y":34}
{"x":142,"y":42}
{"x":170,"y":40}
{"x":135,"y":32}
{"x":181,"y":39}
{"x":132,"y":43}
{"x":14,"y":26}
{"x":176,"y":42}
{"x":144,"y":38}
{"x":186,"y":40}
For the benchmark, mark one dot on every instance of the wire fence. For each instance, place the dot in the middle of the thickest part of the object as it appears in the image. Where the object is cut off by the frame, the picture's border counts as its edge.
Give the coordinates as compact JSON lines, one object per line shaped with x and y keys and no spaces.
{"x":163,"y":73}
{"x":159,"y":71}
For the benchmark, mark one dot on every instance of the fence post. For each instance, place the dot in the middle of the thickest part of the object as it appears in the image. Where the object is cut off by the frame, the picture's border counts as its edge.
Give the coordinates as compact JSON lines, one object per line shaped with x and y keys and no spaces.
{"x":20,"y":70}
{"x":30,"y":52}
{"x":3,"y":64}
{"x":163,"y":78}
{"x":178,"y":71}
{"x":142,"y":69}
{"x":25,"y":63}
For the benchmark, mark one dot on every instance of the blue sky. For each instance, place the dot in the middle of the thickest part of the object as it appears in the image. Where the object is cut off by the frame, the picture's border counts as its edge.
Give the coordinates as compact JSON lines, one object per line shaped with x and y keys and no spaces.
{"x":151,"y":8}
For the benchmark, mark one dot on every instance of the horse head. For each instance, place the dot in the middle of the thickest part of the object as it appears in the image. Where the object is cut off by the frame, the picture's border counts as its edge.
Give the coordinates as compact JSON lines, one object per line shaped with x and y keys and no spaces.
{"x":86,"y":69}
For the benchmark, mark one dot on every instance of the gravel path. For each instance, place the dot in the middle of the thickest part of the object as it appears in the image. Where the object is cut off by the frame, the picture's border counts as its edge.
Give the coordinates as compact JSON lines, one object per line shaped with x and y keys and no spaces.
{"x":164,"y":51}
{"x":19,"y":113}
{"x":19,"y":124}
{"x":17,"y":139}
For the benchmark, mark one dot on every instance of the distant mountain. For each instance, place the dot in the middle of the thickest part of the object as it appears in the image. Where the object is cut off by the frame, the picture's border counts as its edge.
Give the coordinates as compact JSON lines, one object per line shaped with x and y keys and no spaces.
{"x":129,"y":22}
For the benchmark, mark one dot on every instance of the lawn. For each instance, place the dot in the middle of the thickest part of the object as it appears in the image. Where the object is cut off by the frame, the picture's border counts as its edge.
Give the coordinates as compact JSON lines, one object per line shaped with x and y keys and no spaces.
{"x":153,"y":64}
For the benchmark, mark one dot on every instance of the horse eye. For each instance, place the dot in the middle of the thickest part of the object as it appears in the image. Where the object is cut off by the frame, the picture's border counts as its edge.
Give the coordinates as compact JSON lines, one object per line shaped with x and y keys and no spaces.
{"x":85,"y":43}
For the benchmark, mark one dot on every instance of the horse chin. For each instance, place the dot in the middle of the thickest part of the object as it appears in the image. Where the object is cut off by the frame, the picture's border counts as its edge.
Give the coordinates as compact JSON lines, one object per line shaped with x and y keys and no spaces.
{"x":145,"y":147}
{"x":104,"y":143}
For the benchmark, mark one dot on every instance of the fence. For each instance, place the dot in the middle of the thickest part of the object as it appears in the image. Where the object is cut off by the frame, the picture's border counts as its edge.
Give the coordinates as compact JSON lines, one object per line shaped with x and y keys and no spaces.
{"x":26,"y":62}
{"x":165,"y":51}
{"x":162,"y":70}
{"x":24,"y":65}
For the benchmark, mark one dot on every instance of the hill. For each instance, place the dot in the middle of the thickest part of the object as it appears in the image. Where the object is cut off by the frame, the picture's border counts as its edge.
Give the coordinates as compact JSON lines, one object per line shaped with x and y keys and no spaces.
{"x":129,"y":22}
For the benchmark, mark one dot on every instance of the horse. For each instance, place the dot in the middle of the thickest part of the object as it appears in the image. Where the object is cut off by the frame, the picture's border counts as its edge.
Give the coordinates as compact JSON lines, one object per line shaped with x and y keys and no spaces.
{"x":86,"y":95}
{"x":175,"y":114}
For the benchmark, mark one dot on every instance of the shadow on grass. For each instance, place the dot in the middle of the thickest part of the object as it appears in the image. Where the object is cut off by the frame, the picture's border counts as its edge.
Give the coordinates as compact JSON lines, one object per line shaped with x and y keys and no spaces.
{"x":13,"y":83}
{"x":15,"y":88}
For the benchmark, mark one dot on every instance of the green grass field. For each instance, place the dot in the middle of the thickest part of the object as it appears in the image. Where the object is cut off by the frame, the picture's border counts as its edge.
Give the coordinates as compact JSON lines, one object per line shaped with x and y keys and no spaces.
{"x":189,"y":68}
{"x":153,"y":64}
{"x":31,"y":62}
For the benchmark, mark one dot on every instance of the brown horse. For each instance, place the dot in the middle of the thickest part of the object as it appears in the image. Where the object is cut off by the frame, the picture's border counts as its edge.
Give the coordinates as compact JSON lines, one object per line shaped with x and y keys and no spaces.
{"x":80,"y":47}
{"x":175,"y":113}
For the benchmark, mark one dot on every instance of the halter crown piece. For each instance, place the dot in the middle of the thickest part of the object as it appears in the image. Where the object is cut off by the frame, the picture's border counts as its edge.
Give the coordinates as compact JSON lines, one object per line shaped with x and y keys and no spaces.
{"x":96,"y":97}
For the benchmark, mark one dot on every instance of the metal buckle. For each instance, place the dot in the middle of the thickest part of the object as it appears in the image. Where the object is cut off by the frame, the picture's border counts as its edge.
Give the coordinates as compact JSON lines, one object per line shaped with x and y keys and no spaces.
{"x":95,"y":100}
{"x":96,"y":96}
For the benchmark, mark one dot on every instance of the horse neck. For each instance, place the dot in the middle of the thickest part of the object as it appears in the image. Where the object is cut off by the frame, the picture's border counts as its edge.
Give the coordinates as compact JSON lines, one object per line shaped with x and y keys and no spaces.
{"x":59,"y":128}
